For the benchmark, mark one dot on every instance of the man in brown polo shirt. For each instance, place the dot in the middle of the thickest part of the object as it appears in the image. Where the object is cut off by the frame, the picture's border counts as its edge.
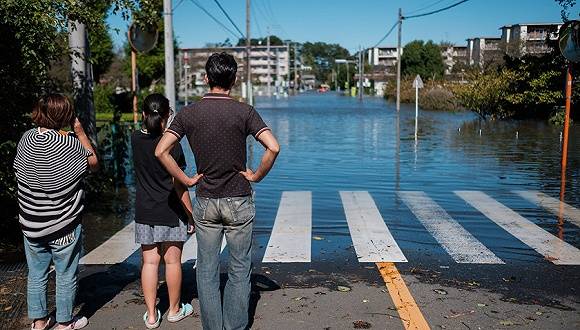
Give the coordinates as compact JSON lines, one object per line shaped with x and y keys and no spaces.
{"x":216,"y":128}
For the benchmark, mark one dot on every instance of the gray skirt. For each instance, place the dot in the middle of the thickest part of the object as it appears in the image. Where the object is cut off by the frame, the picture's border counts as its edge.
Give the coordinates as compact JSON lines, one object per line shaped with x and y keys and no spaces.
{"x":153,"y":234}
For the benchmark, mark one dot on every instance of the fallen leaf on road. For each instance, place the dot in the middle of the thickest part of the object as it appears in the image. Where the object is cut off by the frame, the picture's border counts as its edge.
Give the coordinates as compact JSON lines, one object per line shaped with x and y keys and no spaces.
{"x":7,"y":308}
{"x":539,"y":313}
{"x":360,"y":324}
{"x":343,"y":288}
{"x":440,"y":291}
{"x":506,"y":322}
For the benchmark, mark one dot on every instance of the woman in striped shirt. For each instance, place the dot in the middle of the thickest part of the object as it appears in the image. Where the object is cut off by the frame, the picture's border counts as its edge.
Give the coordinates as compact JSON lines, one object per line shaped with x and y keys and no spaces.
{"x":50,"y":165}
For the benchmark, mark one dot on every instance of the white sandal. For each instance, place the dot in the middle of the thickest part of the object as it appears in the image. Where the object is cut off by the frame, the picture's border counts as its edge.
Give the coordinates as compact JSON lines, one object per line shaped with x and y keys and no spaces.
{"x":157,"y":320}
{"x":185,"y":311}
{"x":50,"y":322}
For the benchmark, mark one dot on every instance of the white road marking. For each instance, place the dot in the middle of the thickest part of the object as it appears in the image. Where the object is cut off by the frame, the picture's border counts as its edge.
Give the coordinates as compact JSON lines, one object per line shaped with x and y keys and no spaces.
{"x":114,"y":250}
{"x":548,"y":245}
{"x":551,"y":204}
{"x":190,"y":249}
{"x":458,"y":242}
{"x":372,"y":239}
{"x":291,"y":236}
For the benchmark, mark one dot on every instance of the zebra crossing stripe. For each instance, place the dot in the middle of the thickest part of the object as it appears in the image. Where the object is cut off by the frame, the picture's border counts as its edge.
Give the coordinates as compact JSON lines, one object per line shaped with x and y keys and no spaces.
{"x":551,"y":204}
{"x":114,"y":250}
{"x":458,"y":242}
{"x":190,"y":249}
{"x":290,"y":240}
{"x":371,"y":238}
{"x":548,"y":245}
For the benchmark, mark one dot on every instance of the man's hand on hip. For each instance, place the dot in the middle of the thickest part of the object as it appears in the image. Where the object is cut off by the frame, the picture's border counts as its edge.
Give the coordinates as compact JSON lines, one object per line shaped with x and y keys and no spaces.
{"x":194,"y":180}
{"x":249,"y":175}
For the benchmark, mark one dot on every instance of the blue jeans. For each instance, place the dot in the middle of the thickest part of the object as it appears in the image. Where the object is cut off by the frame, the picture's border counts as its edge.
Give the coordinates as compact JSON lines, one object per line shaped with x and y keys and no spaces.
{"x":214,"y":218}
{"x":66,"y":263}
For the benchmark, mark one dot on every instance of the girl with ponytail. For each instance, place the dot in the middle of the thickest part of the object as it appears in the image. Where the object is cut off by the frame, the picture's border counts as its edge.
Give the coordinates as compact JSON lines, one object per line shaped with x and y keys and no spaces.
{"x":162,"y":213}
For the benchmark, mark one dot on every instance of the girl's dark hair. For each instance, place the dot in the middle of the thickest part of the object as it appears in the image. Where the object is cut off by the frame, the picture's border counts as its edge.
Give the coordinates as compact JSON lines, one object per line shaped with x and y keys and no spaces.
{"x":156,"y":109}
{"x":53,"y":111}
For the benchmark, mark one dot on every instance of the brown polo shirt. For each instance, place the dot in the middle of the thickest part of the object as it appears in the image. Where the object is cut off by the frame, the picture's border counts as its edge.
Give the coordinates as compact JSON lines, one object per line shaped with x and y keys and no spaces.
{"x":217,"y":127}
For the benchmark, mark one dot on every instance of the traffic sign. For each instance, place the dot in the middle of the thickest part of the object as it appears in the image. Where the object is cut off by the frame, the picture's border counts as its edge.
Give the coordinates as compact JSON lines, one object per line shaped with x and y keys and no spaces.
{"x":569,"y":40}
{"x":418,"y":82}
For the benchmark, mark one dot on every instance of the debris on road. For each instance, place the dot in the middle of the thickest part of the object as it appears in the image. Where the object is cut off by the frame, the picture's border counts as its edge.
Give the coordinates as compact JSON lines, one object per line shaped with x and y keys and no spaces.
{"x":317,"y":238}
{"x":456,"y":315}
{"x":343,"y":288}
{"x":360,"y":324}
{"x":440,"y":291}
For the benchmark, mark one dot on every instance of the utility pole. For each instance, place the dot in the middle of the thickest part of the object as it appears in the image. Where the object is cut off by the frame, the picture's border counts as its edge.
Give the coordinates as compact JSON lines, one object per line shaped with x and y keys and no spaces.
{"x":82,"y":76}
{"x":288,"y":67}
{"x":249,"y":92}
{"x":169,"y":56}
{"x":278,"y":78}
{"x":268,"y":59}
{"x":347,"y":79}
{"x":295,"y":67}
{"x":399,"y":61}
{"x":360,"y":74}
{"x":337,"y":75}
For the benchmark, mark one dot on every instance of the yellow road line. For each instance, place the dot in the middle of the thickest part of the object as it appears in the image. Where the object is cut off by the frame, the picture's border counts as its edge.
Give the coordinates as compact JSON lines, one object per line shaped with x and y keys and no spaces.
{"x":409,"y":312}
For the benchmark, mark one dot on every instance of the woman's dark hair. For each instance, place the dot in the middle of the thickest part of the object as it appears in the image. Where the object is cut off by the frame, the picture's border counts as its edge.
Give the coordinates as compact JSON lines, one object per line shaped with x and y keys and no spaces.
{"x":156,"y":109}
{"x":53,"y":111}
{"x":221,"y":69}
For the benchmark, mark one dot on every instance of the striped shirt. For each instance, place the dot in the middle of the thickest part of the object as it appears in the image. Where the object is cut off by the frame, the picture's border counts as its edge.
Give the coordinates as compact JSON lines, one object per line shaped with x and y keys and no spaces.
{"x":49,"y":168}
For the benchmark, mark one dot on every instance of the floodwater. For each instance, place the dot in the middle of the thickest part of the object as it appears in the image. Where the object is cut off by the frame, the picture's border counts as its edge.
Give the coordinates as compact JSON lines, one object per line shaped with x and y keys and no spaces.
{"x":332,"y":143}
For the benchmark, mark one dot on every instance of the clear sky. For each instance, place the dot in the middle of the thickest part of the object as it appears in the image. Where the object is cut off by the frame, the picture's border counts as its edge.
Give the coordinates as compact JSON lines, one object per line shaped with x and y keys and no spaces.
{"x":352,"y":23}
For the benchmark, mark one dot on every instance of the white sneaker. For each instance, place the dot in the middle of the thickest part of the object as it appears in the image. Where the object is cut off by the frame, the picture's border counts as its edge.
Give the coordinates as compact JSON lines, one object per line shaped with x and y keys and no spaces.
{"x":77,"y":323}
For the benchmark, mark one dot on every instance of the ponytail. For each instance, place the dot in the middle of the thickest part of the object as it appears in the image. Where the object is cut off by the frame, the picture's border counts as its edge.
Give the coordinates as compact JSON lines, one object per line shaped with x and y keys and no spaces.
{"x":156,"y":109}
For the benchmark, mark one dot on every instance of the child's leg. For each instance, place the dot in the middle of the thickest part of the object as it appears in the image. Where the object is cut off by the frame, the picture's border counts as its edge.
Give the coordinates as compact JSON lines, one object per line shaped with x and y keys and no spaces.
{"x":149,"y":280}
{"x":172,"y":257}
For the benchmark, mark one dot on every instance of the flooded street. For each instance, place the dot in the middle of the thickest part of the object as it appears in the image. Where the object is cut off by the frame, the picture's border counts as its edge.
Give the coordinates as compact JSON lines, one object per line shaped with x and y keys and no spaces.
{"x":331,"y":143}
{"x":468,"y":214}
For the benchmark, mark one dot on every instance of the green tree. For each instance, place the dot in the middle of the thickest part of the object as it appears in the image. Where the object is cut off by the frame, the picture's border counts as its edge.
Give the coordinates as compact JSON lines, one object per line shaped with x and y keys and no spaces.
{"x":274,"y":41}
{"x":33,"y":39}
{"x":422,"y":58}
{"x":320,"y":56}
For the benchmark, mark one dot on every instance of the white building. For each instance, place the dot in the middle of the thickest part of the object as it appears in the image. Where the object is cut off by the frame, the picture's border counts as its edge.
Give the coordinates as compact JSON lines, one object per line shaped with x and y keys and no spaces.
{"x":529,"y":38}
{"x":191,"y":66}
{"x":453,"y":55}
{"x":482,"y":49}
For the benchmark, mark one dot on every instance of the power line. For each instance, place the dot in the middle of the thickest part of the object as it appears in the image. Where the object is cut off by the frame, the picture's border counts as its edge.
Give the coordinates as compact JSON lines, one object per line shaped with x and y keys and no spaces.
{"x":386,"y":35}
{"x":228,"y":16}
{"x":436,"y":11}
{"x":256,"y":21}
{"x":214,"y":19}
{"x":177,"y":5}
{"x":426,"y":6}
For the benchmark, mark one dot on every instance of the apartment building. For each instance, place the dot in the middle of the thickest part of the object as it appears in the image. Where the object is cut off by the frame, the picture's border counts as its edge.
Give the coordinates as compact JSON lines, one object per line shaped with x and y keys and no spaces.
{"x":528,"y":38}
{"x":191,"y":66}
{"x":481,"y":50}
{"x":453,"y":55}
